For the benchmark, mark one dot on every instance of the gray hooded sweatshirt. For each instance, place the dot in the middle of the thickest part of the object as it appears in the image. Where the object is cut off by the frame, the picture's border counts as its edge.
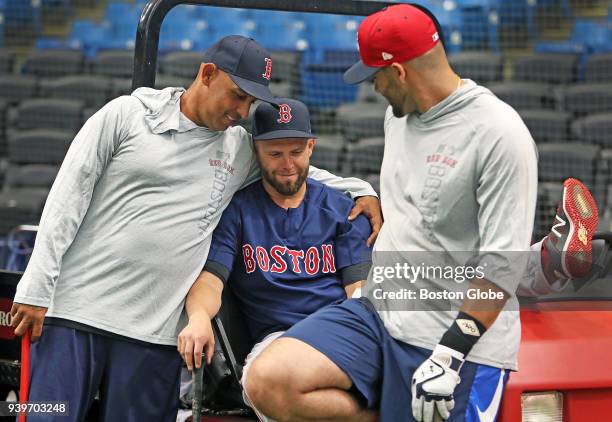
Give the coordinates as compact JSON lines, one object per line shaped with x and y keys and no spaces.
{"x":458,"y":179}
{"x":127,"y":224}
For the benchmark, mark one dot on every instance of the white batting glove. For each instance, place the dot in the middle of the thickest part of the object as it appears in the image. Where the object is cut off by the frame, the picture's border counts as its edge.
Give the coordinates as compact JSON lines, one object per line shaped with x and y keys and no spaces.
{"x":433,"y":384}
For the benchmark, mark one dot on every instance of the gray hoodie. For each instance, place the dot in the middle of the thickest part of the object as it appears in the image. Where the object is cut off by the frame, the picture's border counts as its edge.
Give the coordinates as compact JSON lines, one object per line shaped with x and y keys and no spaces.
{"x":459,"y":179}
{"x":127,"y":224}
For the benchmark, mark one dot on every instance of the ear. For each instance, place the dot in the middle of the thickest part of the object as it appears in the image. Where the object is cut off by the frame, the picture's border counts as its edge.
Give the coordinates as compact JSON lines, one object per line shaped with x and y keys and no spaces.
{"x":398,"y":71}
{"x":310,"y":145}
{"x":207,"y":73}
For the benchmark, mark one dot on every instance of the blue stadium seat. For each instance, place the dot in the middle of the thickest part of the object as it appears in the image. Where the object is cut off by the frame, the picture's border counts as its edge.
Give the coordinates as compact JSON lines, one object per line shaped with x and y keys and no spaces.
{"x":22,"y":14}
{"x":587,"y":37}
{"x":292,"y":26}
{"x":195,"y":36}
{"x":89,"y":36}
{"x":224,"y":14}
{"x":330,"y":33}
{"x":1,"y":24}
{"x":479,"y":23}
{"x":220,"y":28}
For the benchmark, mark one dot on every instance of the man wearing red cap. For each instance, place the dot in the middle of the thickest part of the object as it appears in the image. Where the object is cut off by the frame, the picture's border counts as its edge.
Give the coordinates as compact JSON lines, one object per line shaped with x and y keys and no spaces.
{"x":438,"y":328}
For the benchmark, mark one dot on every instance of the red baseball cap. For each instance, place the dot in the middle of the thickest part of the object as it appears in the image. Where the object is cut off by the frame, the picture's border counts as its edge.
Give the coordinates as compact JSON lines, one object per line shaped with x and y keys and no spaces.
{"x":394,"y":34}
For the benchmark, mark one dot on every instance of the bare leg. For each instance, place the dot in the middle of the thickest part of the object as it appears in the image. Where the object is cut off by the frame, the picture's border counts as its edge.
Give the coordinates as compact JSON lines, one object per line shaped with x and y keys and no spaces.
{"x":292,"y":381}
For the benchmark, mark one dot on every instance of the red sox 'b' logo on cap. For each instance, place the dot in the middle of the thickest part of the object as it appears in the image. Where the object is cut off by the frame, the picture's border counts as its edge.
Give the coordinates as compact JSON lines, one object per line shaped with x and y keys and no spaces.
{"x":284,"y":113}
{"x":268,"y":72}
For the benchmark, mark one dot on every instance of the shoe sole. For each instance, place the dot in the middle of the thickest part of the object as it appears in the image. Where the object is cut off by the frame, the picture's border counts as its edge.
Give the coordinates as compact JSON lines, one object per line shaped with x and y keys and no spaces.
{"x":581,"y":212}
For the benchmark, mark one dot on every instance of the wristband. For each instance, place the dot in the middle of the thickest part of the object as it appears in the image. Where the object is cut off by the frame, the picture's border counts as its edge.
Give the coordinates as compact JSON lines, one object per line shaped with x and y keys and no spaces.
{"x":463,"y":334}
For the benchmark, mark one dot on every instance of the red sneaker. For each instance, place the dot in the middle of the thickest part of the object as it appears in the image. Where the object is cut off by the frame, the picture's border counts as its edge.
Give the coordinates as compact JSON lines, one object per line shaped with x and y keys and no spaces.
{"x":568,"y":245}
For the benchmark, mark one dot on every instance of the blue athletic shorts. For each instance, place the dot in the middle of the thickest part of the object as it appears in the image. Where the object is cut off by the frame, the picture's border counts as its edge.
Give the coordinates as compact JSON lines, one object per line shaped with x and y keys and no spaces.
{"x":137,"y":382}
{"x":352,"y":335}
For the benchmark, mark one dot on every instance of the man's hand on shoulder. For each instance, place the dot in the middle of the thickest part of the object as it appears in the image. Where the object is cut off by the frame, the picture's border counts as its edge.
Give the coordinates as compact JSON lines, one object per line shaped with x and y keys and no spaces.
{"x":25,"y":317}
{"x":370,"y":207}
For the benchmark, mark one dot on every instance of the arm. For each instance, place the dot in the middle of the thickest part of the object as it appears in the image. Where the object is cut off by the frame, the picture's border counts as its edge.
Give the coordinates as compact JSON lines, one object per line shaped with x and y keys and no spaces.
{"x":202,"y":304}
{"x":204,"y":298}
{"x":366,"y":199}
{"x":66,"y":205}
{"x":353,"y":255}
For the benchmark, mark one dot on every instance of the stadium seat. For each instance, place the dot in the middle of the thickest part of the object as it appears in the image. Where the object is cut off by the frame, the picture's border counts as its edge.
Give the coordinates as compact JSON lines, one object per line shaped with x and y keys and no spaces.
{"x":57,"y":11}
{"x":595,"y":129}
{"x":93,"y":90}
{"x":50,"y":114}
{"x":587,"y":36}
{"x":121,"y":86}
{"x":331,"y":33}
{"x":3,"y":143}
{"x":89,"y":36}
{"x":365,"y":156}
{"x":599,"y":68}
{"x":184,"y":64}
{"x":282,"y":89}
{"x":482,"y":67}
{"x":322,"y":84}
{"x":480,"y":24}
{"x":328,"y":153}
{"x":270,"y":24}
{"x":163,"y":81}
{"x":123,"y":18}
{"x":15,"y":88}
{"x":525,"y":95}
{"x":23,"y":15}
{"x":39,"y":146}
{"x":196,"y":35}
{"x":21,"y":206}
{"x":116,"y":64}
{"x":7,"y":61}
{"x":581,"y":99}
{"x":285,"y":66}
{"x":361,"y":120}
{"x":558,"y":161}
{"x":546,"y":207}
{"x":548,"y":68}
{"x":603,"y":182}
{"x":53,"y":63}
{"x":547,"y":125}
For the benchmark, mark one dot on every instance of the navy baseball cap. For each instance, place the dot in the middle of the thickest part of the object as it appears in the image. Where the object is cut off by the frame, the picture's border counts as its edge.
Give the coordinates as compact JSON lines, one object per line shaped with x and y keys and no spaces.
{"x":246,"y":62}
{"x":290,"y":120}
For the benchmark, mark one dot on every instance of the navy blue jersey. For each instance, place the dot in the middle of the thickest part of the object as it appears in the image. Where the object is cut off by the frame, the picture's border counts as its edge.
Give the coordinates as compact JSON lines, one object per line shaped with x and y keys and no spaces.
{"x":284,"y":265}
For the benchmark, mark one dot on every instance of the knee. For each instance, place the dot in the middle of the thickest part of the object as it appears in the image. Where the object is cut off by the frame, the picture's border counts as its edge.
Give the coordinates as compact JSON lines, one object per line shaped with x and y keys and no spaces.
{"x":269,"y":389}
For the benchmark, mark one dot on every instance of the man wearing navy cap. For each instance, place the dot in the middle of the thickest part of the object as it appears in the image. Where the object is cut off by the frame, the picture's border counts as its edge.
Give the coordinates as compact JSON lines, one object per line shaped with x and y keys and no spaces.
{"x":284,"y":244}
{"x":458,"y":189}
{"x":126,"y":230}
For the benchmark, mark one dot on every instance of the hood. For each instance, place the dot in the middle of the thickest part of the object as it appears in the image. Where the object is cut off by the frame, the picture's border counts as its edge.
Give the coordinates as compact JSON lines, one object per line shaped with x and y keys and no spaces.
{"x":163,"y":108}
{"x":459,"y":99}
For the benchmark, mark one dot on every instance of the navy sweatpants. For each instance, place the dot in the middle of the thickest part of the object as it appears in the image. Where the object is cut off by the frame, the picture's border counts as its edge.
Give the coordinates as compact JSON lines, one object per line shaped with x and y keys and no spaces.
{"x":137,"y":382}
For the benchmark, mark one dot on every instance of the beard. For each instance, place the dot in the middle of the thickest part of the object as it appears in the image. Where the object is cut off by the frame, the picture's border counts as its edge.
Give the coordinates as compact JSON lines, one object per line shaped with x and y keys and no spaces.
{"x":287,"y":188}
{"x":397,"y":111}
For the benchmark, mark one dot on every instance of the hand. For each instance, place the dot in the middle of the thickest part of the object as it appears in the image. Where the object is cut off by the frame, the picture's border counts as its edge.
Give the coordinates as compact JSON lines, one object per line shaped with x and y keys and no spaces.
{"x":370,"y":207}
{"x":433,"y":384}
{"x":26,"y":317}
{"x":196,"y":337}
